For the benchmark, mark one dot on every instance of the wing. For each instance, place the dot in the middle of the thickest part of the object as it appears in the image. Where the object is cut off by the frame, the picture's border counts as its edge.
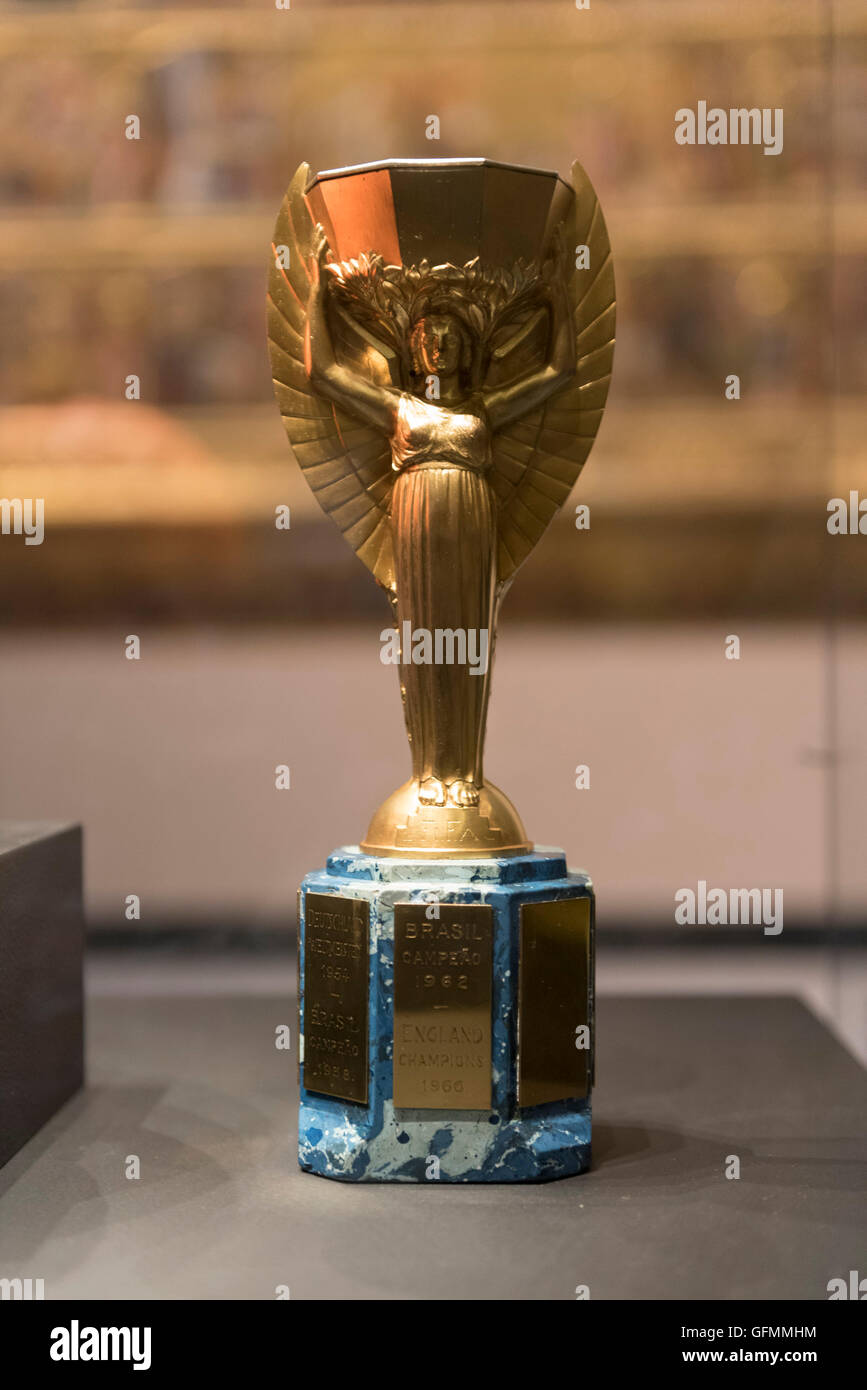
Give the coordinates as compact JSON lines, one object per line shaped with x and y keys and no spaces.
{"x":537,"y":460}
{"x":347,"y":464}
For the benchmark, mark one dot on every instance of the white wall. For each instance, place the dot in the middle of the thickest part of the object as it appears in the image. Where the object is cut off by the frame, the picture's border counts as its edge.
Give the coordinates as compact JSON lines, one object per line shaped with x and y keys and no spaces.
{"x":701,"y":768}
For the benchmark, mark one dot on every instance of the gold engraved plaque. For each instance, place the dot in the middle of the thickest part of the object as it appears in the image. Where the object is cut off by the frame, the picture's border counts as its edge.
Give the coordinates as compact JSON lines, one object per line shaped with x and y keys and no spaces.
{"x":554,"y":1002}
{"x":334,"y":991}
{"x":442,"y":1006}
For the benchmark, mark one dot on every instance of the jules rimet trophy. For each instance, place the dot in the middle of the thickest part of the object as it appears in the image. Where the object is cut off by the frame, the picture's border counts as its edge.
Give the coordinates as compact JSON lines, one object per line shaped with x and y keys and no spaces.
{"x":441,"y":336}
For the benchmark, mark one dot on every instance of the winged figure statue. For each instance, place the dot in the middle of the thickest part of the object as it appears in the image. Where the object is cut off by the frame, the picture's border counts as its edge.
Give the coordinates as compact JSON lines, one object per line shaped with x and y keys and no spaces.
{"x":441,"y":350}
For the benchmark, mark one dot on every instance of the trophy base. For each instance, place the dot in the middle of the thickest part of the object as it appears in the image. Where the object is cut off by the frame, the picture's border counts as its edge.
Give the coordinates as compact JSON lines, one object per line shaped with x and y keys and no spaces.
{"x":446,"y":1019}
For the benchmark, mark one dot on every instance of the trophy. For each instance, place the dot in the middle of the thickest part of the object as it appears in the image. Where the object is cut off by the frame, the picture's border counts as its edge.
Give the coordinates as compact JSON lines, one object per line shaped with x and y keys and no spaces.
{"x":441,"y":336}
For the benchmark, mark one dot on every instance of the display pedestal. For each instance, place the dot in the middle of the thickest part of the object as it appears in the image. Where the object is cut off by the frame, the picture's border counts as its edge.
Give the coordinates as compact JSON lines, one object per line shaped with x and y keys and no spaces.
{"x":41,"y":954}
{"x":446,"y":1018}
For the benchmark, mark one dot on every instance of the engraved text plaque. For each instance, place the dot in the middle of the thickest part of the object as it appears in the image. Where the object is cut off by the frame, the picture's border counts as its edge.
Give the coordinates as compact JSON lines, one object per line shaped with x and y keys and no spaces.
{"x":442,"y":1006}
{"x":553,"y":1002}
{"x":336,"y":965}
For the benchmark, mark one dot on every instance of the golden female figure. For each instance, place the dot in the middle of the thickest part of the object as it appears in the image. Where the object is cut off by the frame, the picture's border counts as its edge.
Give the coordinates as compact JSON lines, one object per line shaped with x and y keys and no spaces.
{"x":443,"y":516}
{"x":427,"y":416}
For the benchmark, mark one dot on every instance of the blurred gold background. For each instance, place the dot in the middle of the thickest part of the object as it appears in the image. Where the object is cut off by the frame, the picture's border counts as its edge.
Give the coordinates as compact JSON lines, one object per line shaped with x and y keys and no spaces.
{"x":260,"y":646}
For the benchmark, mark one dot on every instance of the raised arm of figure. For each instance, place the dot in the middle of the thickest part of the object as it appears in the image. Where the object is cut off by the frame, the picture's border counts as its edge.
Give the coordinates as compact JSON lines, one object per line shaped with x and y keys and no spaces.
{"x":506,"y":404}
{"x":375,"y":405}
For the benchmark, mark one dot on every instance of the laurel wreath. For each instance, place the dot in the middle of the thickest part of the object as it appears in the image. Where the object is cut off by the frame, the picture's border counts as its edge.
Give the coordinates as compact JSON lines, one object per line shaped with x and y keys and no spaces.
{"x":390,"y":299}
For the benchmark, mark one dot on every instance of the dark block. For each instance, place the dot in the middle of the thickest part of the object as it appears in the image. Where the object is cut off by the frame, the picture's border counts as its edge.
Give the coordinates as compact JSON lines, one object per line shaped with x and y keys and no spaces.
{"x":41,"y":994}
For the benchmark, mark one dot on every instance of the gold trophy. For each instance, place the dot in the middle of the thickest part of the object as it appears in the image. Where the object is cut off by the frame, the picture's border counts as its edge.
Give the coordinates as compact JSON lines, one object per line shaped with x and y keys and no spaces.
{"x":441,"y":337}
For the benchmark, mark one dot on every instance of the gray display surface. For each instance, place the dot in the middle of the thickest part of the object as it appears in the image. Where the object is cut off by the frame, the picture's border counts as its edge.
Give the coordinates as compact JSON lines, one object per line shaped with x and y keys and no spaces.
{"x":196,"y":1088}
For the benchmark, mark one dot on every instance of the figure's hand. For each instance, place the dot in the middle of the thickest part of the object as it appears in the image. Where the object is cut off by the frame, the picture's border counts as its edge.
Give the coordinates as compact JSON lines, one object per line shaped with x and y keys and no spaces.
{"x":554,"y":266}
{"x":320,"y":251}
{"x":557,"y":273}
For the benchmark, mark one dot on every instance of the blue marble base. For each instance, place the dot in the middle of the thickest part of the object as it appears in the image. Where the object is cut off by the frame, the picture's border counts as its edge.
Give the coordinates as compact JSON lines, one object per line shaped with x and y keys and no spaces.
{"x":373,"y":1142}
